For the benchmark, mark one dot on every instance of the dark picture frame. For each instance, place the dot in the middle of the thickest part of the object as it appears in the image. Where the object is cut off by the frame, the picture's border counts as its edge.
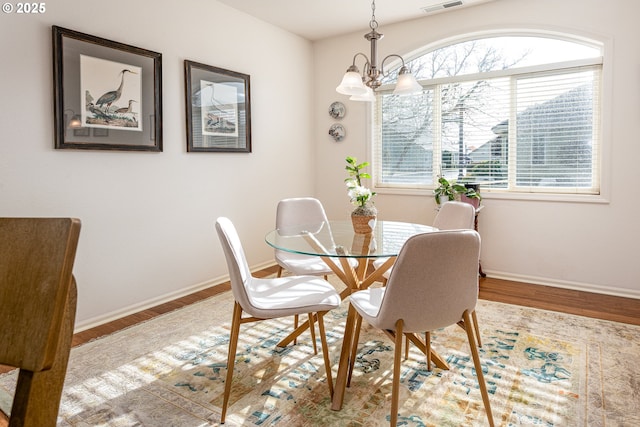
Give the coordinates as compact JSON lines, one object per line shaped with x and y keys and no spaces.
{"x":109,"y":86}
{"x":218,"y":104}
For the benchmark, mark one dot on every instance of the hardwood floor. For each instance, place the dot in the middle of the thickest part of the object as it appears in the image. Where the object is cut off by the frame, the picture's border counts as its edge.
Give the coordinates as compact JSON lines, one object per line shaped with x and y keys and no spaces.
{"x":606,"y":307}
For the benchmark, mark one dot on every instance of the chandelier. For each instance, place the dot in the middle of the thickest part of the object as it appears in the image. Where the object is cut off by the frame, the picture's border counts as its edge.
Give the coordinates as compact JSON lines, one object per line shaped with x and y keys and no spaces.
{"x":361,"y":87}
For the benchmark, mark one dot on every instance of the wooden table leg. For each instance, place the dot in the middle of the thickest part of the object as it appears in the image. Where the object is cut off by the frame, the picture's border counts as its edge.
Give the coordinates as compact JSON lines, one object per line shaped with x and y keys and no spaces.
{"x":295,"y":334}
{"x":349,"y":332}
{"x":343,"y":366}
{"x":435,"y":357}
{"x":354,"y":279}
{"x":348,"y":276}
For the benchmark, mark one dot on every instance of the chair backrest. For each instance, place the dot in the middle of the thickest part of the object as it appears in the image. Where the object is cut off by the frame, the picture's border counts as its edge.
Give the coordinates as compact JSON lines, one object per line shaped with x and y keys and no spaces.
{"x":298,"y":211}
{"x":433,"y":281}
{"x":455,"y":216}
{"x":239,"y":271}
{"x":39,"y":296}
{"x":36,"y":263}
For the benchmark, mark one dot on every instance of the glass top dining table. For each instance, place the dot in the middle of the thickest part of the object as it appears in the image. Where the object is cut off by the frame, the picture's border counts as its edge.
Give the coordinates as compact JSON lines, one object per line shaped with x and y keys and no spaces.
{"x":337,"y":238}
{"x":338,"y":244}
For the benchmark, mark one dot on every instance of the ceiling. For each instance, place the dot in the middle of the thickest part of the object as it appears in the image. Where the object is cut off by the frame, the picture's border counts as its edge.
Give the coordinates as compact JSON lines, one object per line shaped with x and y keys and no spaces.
{"x":318,"y":19}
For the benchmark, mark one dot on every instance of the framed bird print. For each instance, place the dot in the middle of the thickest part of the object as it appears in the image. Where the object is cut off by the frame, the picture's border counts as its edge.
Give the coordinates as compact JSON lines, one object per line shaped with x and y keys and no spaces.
{"x":110,"y":87}
{"x":218,"y":106}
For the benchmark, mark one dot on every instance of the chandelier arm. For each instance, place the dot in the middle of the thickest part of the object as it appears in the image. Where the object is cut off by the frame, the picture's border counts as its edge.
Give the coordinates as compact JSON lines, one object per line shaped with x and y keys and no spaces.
{"x":366,"y":59}
{"x":386,"y":74}
{"x":366,"y":70}
{"x":354,"y":68}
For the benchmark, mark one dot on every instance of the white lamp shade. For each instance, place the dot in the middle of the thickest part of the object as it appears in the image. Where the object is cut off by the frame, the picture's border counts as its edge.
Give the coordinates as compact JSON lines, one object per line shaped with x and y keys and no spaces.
{"x":407,"y":85}
{"x":351,"y":84}
{"x":368,"y":96}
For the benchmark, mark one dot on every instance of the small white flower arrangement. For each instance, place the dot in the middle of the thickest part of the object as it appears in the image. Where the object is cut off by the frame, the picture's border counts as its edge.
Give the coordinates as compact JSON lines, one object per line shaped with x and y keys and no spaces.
{"x":360,"y":196}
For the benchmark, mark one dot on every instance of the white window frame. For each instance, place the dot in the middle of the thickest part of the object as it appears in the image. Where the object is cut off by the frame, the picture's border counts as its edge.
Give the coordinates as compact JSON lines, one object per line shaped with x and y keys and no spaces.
{"x":604,"y":150}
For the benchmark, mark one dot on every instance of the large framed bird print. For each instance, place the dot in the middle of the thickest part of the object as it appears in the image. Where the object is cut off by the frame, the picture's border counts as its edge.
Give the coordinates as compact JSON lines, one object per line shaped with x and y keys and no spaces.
{"x":107,"y":95}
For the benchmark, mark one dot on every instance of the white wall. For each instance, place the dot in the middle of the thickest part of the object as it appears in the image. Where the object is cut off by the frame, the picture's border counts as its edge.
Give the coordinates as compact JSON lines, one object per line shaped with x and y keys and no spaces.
{"x":148,"y":218}
{"x":576,"y":245}
{"x":147,"y":232}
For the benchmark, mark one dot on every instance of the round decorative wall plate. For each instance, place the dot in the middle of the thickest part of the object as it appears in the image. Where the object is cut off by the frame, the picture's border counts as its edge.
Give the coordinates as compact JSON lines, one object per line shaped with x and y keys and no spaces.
{"x":337,"y":110}
{"x":337,"y":132}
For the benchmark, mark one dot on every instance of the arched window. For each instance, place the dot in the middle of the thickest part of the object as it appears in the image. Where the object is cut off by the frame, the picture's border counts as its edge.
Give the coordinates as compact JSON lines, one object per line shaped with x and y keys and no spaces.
{"x":512,"y":113}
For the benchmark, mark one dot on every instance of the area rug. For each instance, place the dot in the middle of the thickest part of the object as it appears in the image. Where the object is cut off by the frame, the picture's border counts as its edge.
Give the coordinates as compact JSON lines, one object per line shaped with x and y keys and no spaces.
{"x":542,"y":369}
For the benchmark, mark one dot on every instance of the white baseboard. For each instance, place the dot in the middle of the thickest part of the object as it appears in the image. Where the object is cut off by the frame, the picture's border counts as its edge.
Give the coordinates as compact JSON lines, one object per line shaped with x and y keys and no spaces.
{"x":135,"y":308}
{"x":565,"y":284}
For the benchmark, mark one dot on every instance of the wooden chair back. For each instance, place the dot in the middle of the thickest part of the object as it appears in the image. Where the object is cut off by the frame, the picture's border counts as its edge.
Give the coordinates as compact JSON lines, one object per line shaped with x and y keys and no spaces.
{"x":38,"y":295}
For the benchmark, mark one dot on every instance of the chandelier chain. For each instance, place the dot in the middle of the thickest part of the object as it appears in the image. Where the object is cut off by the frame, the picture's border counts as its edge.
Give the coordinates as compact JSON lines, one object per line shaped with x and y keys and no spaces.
{"x":373,"y":24}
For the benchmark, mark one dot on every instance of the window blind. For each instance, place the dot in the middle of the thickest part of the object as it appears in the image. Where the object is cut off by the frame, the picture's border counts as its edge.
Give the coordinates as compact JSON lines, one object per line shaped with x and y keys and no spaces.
{"x":527,"y":132}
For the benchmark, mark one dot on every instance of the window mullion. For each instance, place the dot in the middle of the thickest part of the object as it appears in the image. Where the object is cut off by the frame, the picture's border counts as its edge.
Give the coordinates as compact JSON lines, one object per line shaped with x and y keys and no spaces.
{"x":437,"y":132}
{"x":512,"y":135}
{"x":596,"y":159}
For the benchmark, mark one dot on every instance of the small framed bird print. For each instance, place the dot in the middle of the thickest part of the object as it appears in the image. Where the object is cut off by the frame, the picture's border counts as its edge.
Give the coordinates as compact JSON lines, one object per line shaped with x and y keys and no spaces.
{"x":218,"y":112}
{"x":110,"y":87}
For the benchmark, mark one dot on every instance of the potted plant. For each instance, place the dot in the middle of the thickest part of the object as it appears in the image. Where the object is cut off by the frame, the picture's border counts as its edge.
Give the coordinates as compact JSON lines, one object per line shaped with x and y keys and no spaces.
{"x":471,"y":194}
{"x":447,"y":191}
{"x":365,"y":214}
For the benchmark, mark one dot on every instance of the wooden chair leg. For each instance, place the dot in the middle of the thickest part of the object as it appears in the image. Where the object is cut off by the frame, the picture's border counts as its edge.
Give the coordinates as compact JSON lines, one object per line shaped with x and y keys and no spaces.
{"x":325,"y":352}
{"x":474,"y":316}
{"x":476,"y":328}
{"x":427,"y":345}
{"x":354,"y":348}
{"x":231,"y":357}
{"x":406,"y":348}
{"x":36,"y":401}
{"x":397,"y":360}
{"x":478,"y":366}
{"x":312,"y":329}
{"x":295,"y":318}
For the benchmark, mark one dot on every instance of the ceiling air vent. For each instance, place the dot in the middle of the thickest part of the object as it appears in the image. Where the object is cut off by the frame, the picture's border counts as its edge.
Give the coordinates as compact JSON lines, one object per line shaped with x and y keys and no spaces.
{"x":441,"y":6}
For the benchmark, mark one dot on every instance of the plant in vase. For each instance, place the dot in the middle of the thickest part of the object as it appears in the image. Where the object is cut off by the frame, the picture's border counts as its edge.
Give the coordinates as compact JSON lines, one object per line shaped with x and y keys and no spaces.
{"x":364,"y":215}
{"x":471,"y":195}
{"x":451,"y":190}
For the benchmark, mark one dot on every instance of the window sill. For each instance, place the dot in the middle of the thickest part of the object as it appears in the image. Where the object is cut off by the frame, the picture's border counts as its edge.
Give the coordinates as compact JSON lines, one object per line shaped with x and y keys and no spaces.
{"x":493,"y":195}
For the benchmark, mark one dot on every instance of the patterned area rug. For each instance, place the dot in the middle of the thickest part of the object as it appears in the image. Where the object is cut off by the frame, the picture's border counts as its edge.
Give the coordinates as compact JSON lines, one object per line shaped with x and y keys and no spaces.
{"x":542,"y":368}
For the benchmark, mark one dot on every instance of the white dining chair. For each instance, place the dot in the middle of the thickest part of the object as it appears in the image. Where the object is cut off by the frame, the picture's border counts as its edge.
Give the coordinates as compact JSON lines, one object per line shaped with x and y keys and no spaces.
{"x":434,"y":284}
{"x":270,"y":298}
{"x":451,"y":216}
{"x":293,"y":212}
{"x":455,"y":216}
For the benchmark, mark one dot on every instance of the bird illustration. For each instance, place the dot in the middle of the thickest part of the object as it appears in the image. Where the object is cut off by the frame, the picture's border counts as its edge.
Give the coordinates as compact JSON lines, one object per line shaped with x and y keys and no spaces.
{"x":98,"y":113}
{"x":125,"y":110}
{"x":88,"y":98}
{"x":112,"y":96}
